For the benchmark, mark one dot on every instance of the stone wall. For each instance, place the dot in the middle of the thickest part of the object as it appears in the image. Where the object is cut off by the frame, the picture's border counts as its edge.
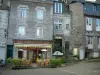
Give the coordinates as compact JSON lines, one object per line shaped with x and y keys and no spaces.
{"x":31,"y":22}
{"x":3,"y":33}
{"x":78,"y":28}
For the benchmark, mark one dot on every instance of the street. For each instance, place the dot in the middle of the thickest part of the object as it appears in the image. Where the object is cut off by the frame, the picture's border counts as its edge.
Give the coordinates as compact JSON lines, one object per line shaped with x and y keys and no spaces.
{"x":82,"y":68}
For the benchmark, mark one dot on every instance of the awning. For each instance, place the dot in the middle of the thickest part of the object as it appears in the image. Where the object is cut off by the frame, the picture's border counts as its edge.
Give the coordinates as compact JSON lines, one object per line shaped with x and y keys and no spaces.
{"x":20,"y":45}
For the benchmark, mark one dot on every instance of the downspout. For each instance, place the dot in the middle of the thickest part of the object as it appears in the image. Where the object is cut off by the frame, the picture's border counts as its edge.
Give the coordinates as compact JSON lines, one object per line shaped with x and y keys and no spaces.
{"x":8,"y":21}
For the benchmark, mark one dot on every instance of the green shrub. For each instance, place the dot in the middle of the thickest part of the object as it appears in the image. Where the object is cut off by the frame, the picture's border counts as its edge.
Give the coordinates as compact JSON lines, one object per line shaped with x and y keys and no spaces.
{"x":56,"y":62}
{"x":17,"y":62}
{"x":62,"y":60}
{"x":9,"y":61}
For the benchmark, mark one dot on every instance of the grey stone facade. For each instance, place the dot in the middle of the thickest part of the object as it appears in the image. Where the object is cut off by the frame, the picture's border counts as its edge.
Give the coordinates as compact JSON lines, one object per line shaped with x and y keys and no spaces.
{"x":31,"y":22}
{"x":73,"y":15}
{"x":77,"y":34}
{"x":62,"y":32}
{"x":3,"y":29}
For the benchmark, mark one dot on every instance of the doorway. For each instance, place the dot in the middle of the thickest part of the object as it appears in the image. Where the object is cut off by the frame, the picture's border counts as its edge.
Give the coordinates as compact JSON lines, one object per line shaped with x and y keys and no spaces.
{"x":20,"y":54}
{"x":87,"y":54}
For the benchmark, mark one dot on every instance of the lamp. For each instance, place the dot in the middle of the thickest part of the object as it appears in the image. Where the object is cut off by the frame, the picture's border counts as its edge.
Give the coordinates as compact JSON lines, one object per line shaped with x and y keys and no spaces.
{"x":44,"y":50}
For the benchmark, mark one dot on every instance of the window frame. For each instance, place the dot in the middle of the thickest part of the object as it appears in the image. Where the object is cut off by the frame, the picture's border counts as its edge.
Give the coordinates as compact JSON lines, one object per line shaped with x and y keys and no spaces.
{"x":94,"y":7}
{"x":39,"y":32}
{"x":90,"y":40}
{"x":58,"y":8}
{"x":98,"y":40}
{"x":58,"y":24}
{"x":97,"y":24}
{"x":22,"y":33}
{"x":89,"y":23}
{"x":23,"y":14}
{"x":38,"y":12}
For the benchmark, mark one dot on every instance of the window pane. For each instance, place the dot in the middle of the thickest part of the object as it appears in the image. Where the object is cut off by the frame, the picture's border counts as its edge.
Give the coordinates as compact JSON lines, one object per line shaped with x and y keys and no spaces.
{"x":94,"y":8}
{"x":40,"y":14}
{"x":58,"y":7}
{"x":39,"y":32}
{"x":21,"y":30}
{"x":97,"y":22}
{"x":90,"y":40}
{"x":58,"y":24}
{"x":23,"y":12}
{"x":90,"y":21}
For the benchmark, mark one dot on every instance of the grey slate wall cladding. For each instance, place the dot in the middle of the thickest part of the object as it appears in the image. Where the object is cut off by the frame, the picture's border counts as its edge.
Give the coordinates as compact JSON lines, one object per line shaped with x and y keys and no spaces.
{"x":31,"y":22}
{"x":89,"y":9}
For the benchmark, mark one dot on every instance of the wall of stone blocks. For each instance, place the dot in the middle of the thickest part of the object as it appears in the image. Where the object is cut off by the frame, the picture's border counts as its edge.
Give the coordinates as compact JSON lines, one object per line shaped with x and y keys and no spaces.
{"x":31,"y":23}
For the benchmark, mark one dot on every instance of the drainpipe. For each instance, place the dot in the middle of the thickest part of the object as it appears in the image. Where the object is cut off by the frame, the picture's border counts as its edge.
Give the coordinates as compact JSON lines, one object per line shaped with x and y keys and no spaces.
{"x":8,"y":22}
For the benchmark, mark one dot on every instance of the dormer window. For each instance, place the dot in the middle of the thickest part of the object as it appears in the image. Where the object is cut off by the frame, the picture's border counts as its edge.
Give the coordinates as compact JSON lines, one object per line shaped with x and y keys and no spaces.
{"x":94,"y":8}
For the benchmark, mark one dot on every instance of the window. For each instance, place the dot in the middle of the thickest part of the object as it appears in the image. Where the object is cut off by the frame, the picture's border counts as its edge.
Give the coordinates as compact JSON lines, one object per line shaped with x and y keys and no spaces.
{"x":39,"y":33}
{"x":1,"y":2}
{"x":90,"y":40}
{"x":64,"y":0}
{"x":23,"y":12}
{"x":43,"y":0}
{"x":94,"y":8}
{"x":58,"y":7}
{"x":97,"y":24}
{"x":85,"y":6}
{"x":40,"y":13}
{"x":88,"y":24}
{"x":58,"y":24}
{"x":89,"y":21}
{"x":55,"y":0}
{"x":21,"y":30}
{"x":98,"y":40}
{"x":67,"y":26}
{"x":60,"y":0}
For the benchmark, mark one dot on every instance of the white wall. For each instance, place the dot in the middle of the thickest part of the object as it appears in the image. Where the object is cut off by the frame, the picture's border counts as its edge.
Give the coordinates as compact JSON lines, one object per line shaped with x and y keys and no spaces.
{"x":95,"y":54}
{"x":81,"y":53}
{"x":15,"y":53}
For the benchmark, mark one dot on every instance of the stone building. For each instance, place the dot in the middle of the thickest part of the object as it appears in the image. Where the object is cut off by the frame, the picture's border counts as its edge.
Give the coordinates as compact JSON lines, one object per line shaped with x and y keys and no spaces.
{"x":38,"y":28}
{"x":62,"y":26}
{"x":85,"y":26}
{"x":30,"y":29}
{"x":4,"y":8}
{"x":34,"y":25}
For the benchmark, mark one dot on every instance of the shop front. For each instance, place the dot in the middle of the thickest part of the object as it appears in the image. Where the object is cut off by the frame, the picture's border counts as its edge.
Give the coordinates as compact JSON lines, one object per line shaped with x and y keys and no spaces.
{"x":32,"y":50}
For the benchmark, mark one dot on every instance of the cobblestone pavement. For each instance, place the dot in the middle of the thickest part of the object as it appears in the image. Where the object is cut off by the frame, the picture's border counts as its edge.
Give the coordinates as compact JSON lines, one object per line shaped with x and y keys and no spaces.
{"x":2,"y":70}
{"x":83,"y":68}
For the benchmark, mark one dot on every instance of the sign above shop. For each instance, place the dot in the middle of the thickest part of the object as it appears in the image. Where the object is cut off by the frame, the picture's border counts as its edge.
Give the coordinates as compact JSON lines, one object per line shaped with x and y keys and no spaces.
{"x":33,"y":45}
